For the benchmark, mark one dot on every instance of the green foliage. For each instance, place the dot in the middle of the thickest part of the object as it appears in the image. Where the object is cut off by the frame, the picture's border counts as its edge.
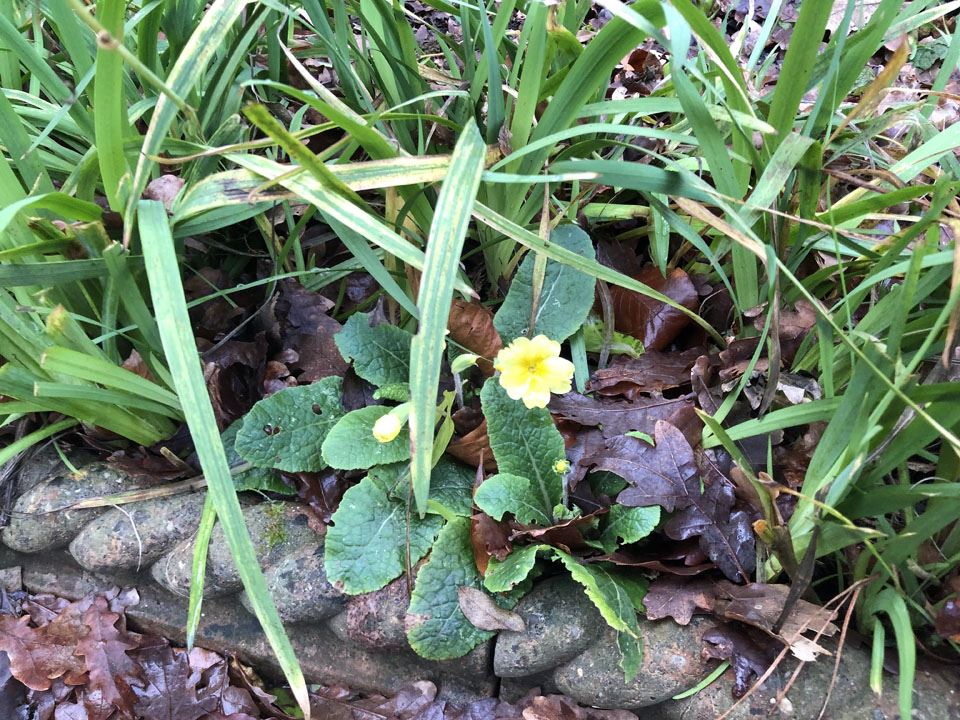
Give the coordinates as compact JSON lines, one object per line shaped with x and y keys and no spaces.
{"x":286,"y":429}
{"x":505,"y":493}
{"x":437,"y":629}
{"x":451,"y":485}
{"x":263,"y":479}
{"x":350,"y":444}
{"x":525,"y":443}
{"x":741,"y":190}
{"x":618,"y":596}
{"x":380,"y":354}
{"x":366,"y":547}
{"x":628,"y":525}
{"x":565,"y":298}
{"x":504,"y":575}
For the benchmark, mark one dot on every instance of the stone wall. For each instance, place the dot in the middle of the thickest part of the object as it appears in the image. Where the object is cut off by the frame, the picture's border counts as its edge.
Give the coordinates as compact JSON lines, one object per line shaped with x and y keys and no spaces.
{"x":361,"y":642}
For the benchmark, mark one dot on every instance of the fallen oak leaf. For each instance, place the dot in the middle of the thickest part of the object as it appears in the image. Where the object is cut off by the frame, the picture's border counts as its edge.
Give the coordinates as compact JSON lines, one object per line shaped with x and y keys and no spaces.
{"x":471,"y":325}
{"x":679,"y":598}
{"x":483,"y":613}
{"x":652,"y":372}
{"x":474,"y":448}
{"x":489,"y":538}
{"x":653,"y":322}
{"x":746,"y":656}
{"x":616,"y":417}
{"x":664,"y":474}
{"x":726,"y":538}
{"x":40,"y":655}
{"x":168,"y":693}
{"x":625,"y":558}
{"x":104,"y":648}
{"x":760,"y":604}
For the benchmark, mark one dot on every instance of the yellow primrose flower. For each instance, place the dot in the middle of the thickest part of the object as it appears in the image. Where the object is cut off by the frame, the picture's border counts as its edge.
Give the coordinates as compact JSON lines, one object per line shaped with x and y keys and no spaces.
{"x":531,"y":369}
{"x":561,"y":466}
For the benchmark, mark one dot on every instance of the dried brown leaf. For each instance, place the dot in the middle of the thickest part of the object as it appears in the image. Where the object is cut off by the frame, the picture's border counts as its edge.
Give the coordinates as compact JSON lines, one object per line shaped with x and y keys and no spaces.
{"x":760,"y":605}
{"x":40,"y":655}
{"x":488,"y":538}
{"x":482,"y":612}
{"x":679,"y":598}
{"x":616,"y":417}
{"x":104,"y":648}
{"x":654,"y":323}
{"x":652,"y":372}
{"x":473,"y":448}
{"x":471,"y":325}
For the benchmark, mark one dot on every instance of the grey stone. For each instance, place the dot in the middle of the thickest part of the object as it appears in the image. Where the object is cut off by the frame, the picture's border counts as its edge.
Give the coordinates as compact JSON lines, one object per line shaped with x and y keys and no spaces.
{"x":671,"y":663}
{"x":560,"y":623}
{"x":11,"y":578}
{"x":276,"y":528}
{"x":46,"y":463}
{"x":377,"y":619}
{"x":132,"y":536}
{"x":40,"y":518}
{"x":936,"y":695}
{"x":300,"y":589}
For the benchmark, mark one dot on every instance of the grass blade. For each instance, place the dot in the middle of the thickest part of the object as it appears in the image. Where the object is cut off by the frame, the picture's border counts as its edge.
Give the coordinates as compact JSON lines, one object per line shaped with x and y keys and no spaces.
{"x":206,"y":39}
{"x":163,"y":271}
{"x":447,"y":233}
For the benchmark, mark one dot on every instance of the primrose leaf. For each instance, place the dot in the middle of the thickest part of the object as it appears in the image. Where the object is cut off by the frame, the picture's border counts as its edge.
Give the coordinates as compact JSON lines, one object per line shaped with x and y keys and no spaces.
{"x":507,"y":574}
{"x":350,"y":444}
{"x":451,"y":485}
{"x":398,"y":392}
{"x":366,"y":545}
{"x":380,"y":354}
{"x":525,"y":442}
{"x":565,"y":299}
{"x":286,"y":429}
{"x":256,"y":478}
{"x":617,"y":597}
{"x":503,"y":493}
{"x":627,"y":525}
{"x":436,"y":626}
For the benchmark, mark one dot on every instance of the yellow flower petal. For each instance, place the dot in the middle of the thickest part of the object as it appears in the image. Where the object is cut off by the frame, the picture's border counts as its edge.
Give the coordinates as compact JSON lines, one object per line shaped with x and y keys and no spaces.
{"x":537,"y":395}
{"x":530,"y":369}
{"x":558,"y":373}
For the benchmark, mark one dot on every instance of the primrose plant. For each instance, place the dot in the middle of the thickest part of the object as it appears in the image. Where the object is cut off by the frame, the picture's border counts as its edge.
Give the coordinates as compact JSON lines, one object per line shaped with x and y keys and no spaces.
{"x":376,"y":537}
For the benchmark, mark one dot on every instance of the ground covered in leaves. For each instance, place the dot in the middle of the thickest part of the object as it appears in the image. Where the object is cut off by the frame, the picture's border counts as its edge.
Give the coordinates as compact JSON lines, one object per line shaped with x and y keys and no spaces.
{"x":79,"y":661}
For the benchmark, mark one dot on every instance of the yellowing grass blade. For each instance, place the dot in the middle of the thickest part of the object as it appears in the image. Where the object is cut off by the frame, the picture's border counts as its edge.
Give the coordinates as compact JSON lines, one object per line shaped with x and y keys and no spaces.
{"x":179,"y":346}
{"x":444,"y":245}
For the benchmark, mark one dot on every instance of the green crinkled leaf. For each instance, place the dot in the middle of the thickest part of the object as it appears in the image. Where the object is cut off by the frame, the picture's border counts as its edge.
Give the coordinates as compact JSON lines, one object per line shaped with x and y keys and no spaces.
{"x":451,"y":485}
{"x":503,"y":493}
{"x":398,"y":392}
{"x":436,"y":627}
{"x":350,"y":444}
{"x":566,"y":297}
{"x":380,"y":354}
{"x":366,"y":546}
{"x":506,"y":575}
{"x":525,"y":442}
{"x":616,"y":596}
{"x":628,"y":525}
{"x":256,"y":478}
{"x":285,"y":430}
